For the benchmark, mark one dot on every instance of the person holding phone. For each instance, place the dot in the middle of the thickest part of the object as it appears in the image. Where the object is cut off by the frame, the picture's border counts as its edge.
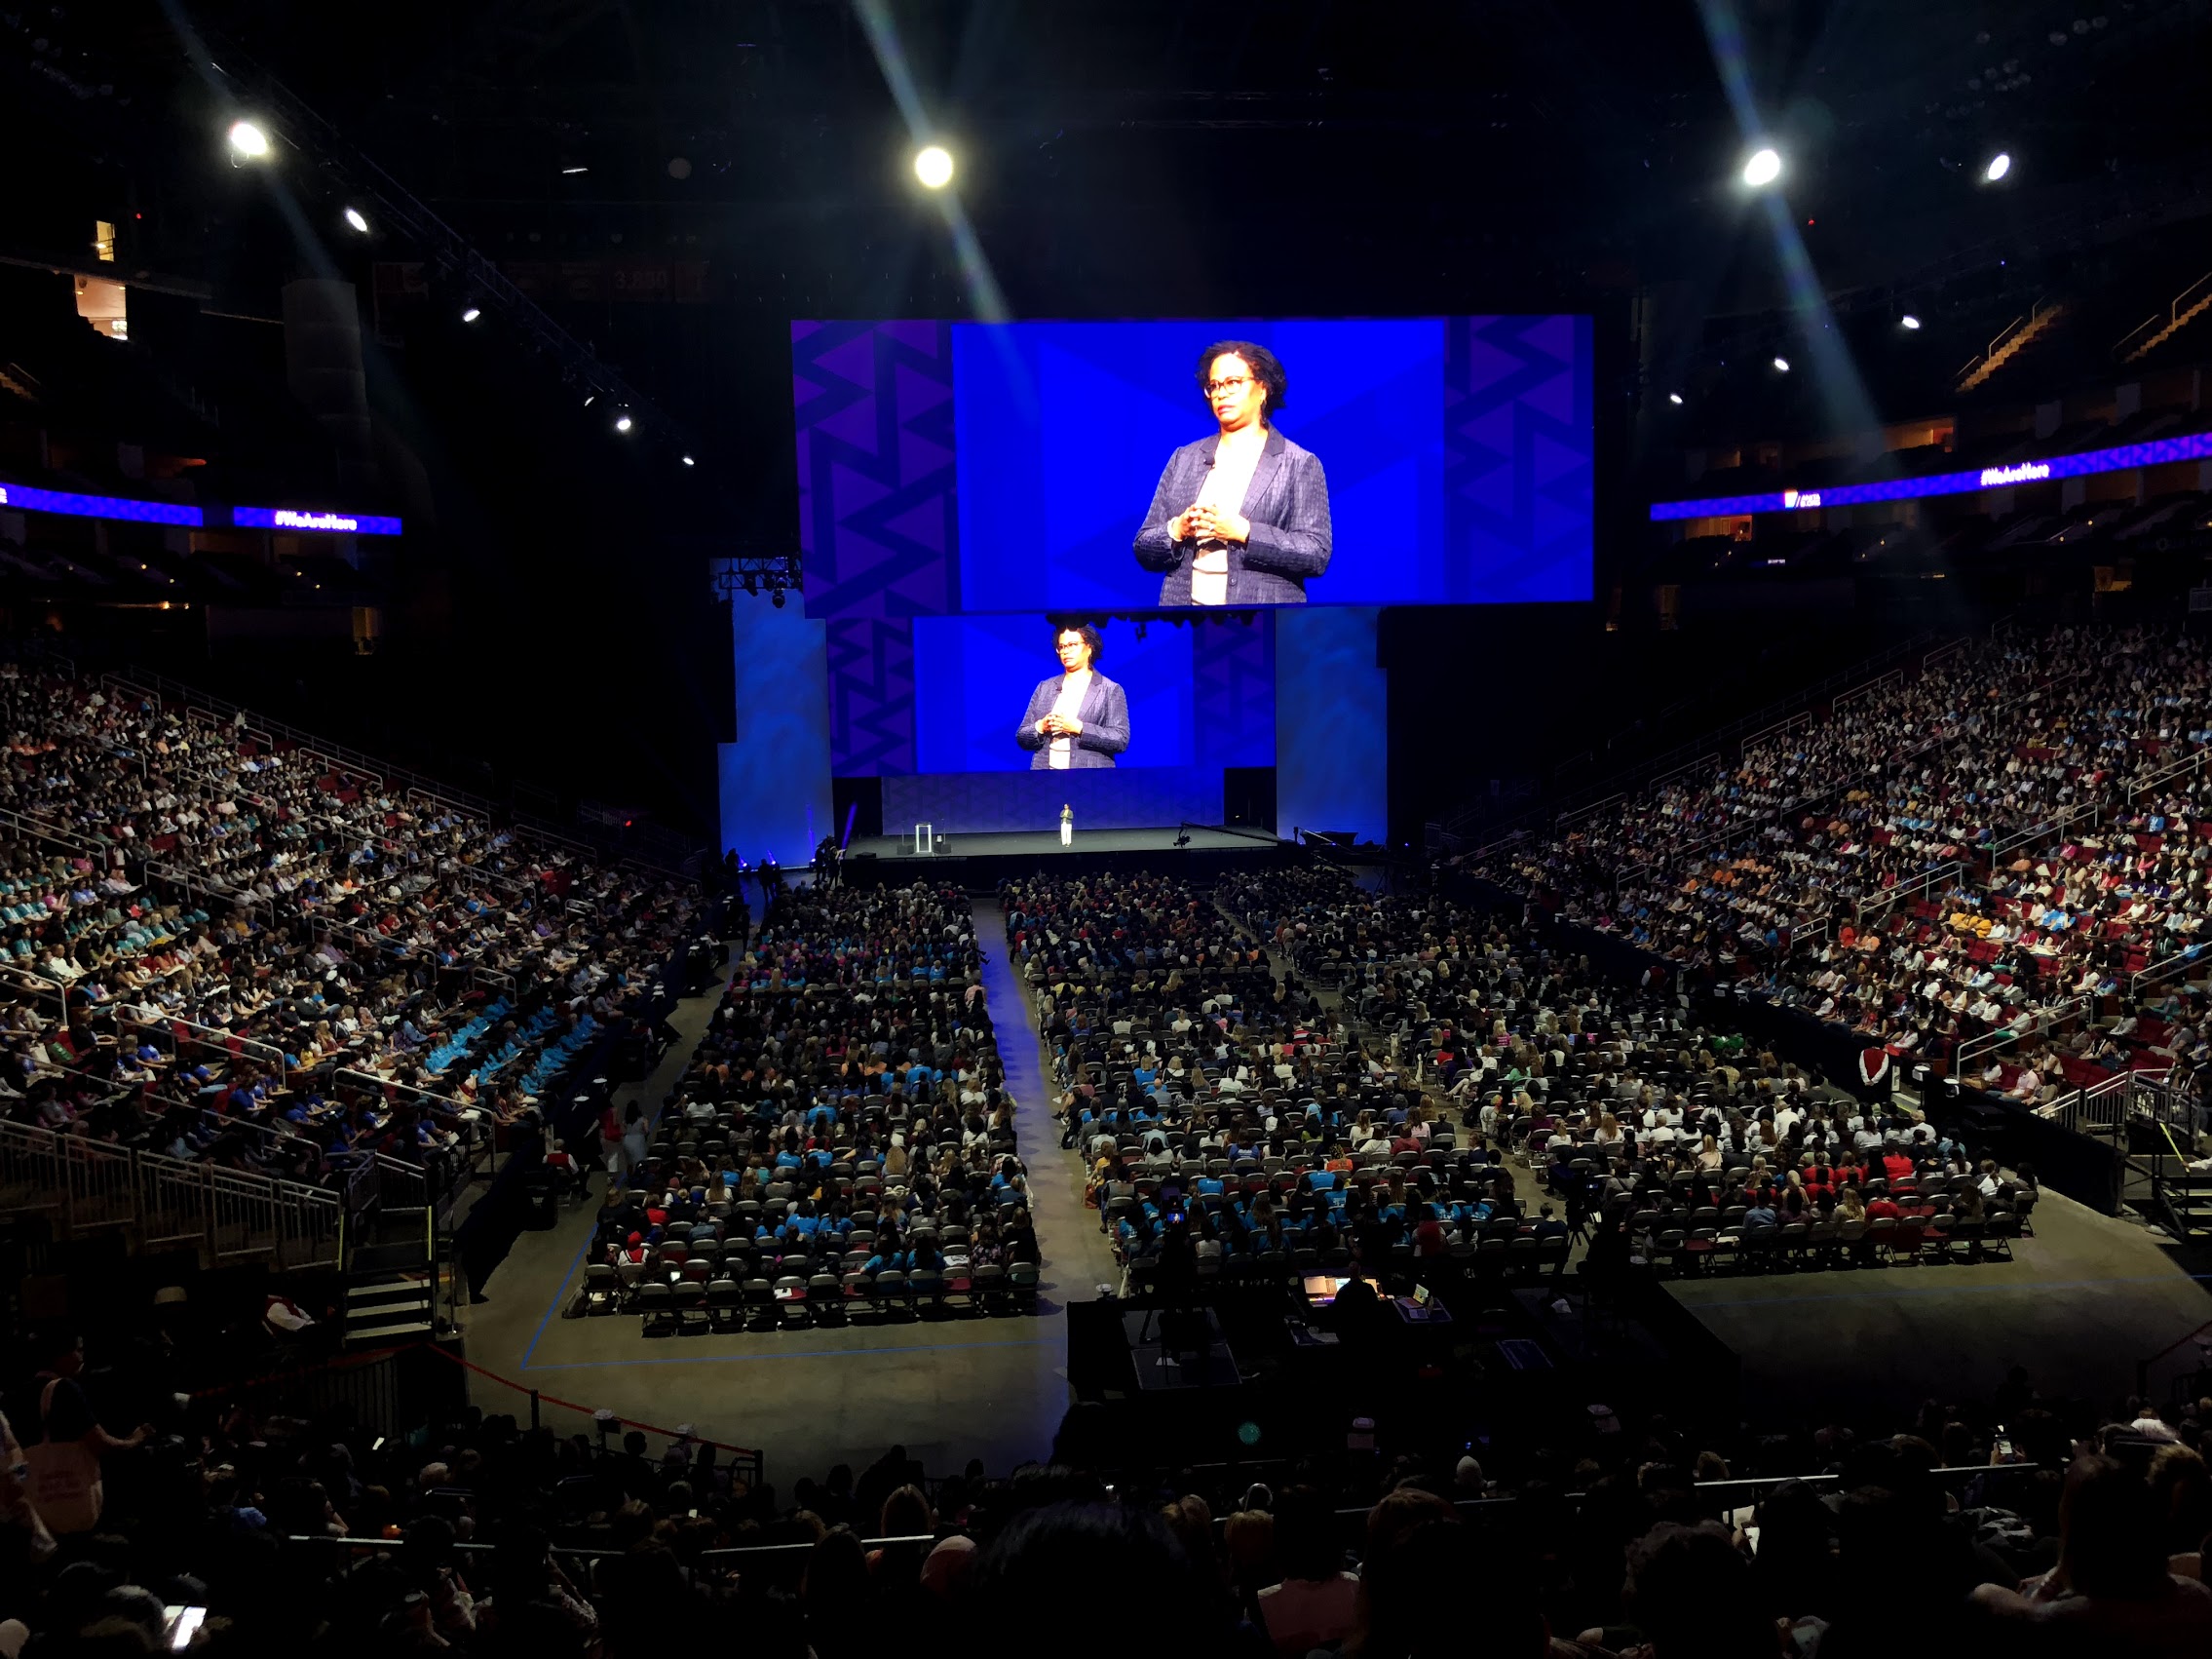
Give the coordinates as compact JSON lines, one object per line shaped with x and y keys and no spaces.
{"x":1240,"y":518}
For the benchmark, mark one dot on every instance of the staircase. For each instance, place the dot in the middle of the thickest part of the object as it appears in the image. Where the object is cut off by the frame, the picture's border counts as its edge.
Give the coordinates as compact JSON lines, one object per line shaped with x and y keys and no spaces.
{"x":2188,"y":1205}
{"x":390,"y":1278}
{"x":2193,"y":302}
{"x":383,"y":1309}
{"x":2015,"y":337}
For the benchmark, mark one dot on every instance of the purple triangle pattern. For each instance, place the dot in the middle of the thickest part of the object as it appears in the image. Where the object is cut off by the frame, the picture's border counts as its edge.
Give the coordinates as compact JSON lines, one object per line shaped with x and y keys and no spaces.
{"x":878,"y":519}
{"x":1518,"y":479}
{"x":871,"y":696}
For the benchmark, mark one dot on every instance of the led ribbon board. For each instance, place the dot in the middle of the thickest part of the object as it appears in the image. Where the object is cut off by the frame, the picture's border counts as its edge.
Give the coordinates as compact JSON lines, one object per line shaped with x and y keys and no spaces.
{"x":325,"y":524}
{"x":30,"y":500}
{"x":2196,"y":446}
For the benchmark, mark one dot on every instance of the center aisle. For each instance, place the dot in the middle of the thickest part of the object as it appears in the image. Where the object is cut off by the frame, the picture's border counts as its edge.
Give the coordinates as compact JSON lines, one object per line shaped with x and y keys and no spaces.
{"x":1077,"y":1258}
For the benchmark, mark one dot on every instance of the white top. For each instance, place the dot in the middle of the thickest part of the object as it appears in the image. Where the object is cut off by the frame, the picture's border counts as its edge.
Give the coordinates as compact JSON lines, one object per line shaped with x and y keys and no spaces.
{"x":1069,"y":707}
{"x":1234,"y":459}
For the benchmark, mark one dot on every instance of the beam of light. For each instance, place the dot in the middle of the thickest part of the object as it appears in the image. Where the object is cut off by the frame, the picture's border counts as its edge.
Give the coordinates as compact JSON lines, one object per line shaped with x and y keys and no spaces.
{"x":1849,"y":408}
{"x":984,"y":297}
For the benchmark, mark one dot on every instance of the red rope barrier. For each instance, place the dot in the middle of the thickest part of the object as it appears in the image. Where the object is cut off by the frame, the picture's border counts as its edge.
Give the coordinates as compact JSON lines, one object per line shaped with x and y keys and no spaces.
{"x":588,"y":1410}
{"x":348,"y":1362}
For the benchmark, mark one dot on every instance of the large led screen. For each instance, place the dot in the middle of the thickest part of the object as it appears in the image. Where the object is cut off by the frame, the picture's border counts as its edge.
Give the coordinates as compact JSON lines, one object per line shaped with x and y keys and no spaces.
{"x":956,"y":468}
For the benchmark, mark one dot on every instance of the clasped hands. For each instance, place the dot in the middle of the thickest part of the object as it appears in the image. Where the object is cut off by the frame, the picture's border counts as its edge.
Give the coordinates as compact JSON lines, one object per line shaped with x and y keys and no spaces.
{"x":1059,"y":725}
{"x":1201,"y":522}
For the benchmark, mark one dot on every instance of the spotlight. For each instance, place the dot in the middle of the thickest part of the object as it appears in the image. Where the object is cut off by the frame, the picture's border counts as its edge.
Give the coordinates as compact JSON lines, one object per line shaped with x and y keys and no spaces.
{"x":621,"y":423}
{"x":1675,"y":398}
{"x":933,"y":165}
{"x":472,"y":314}
{"x":247,"y":141}
{"x":572,"y":172}
{"x":593,"y":399}
{"x":689,"y":462}
{"x":778,"y":600}
{"x":1761,"y":168}
{"x":1999,"y":165}
{"x":358,"y":219}
{"x":1781,"y":365}
{"x":1908,"y":321}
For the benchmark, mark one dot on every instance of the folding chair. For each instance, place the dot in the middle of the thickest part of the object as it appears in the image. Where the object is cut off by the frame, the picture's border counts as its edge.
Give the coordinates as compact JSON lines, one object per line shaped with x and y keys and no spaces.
{"x":655,"y":1302}
{"x":725,"y":1305}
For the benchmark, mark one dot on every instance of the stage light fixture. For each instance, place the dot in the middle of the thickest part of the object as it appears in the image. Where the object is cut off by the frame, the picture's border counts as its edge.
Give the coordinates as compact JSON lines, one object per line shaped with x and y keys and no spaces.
{"x":622,"y":423}
{"x":247,"y":141}
{"x":1761,"y":168}
{"x":590,"y":400}
{"x":1781,"y":365}
{"x":1675,"y":398}
{"x":933,"y":165}
{"x":1908,"y":321}
{"x":358,"y":219}
{"x":778,"y":600}
{"x":1999,"y":165}
{"x":689,"y":462}
{"x":472,"y":314}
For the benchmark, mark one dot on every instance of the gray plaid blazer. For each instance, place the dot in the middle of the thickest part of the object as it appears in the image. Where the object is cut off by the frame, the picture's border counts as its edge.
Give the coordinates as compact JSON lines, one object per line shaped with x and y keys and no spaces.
{"x":1288,"y":504}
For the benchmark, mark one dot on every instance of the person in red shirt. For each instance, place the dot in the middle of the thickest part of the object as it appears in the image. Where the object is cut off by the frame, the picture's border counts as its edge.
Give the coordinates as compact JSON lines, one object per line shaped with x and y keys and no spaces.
{"x":1895,"y":1163}
{"x":1882,"y":1205}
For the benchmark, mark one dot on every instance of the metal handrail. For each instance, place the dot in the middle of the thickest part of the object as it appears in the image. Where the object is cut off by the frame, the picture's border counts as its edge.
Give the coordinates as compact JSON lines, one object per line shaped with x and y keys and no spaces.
{"x":2188,"y":297}
{"x":1942,"y":876}
{"x":2042,"y":307}
{"x":2005,"y":1036}
{"x":2151,"y":973}
{"x":94,"y":1184}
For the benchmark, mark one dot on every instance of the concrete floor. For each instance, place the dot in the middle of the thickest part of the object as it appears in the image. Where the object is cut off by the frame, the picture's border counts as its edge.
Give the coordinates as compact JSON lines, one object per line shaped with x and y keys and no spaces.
{"x":2084,"y":1300}
{"x":948,"y":1390}
{"x":2080,"y":1303}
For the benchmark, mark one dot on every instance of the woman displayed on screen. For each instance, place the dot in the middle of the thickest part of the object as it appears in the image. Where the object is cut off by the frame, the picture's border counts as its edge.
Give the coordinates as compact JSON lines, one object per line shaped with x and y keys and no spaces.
{"x":1240,"y":518}
{"x":1076,"y":718}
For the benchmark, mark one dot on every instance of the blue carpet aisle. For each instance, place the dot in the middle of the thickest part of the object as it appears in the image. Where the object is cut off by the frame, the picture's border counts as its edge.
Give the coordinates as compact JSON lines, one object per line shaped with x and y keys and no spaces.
{"x":1077,"y":1260}
{"x":1014,"y":1014}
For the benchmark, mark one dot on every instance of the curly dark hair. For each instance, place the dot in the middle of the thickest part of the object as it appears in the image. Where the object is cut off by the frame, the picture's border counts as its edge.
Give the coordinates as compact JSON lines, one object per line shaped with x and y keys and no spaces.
{"x":1090,"y":637}
{"x":1266,"y":367}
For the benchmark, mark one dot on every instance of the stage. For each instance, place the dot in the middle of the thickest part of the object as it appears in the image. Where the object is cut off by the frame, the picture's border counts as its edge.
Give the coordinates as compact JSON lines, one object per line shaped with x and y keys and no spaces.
{"x":980,"y":860}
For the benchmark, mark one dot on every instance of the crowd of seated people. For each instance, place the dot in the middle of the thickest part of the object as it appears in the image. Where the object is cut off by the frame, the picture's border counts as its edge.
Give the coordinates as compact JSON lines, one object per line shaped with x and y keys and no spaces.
{"x":2014,"y":1523}
{"x":1656,"y":1137}
{"x":1985,"y":846}
{"x":1226,"y":1122}
{"x":215,"y":948}
{"x":843,"y":1133}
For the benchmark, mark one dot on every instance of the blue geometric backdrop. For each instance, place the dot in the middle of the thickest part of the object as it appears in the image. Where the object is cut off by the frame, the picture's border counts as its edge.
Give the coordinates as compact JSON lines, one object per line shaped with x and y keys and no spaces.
{"x":873,"y":406}
{"x":1517,"y":459}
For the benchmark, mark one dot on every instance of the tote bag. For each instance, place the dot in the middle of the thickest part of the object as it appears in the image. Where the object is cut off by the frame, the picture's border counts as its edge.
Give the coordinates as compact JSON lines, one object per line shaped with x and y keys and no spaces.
{"x":64,"y":1476}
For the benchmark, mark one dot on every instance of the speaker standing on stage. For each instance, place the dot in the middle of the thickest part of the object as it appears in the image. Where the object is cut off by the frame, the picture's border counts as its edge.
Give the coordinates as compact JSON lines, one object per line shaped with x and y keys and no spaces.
{"x":1240,"y":518}
{"x":1078,"y":718}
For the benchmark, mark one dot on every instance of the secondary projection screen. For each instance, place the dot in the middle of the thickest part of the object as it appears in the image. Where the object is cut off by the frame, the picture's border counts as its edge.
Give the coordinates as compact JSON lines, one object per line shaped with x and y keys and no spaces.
{"x":1184,"y":488}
